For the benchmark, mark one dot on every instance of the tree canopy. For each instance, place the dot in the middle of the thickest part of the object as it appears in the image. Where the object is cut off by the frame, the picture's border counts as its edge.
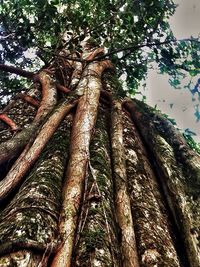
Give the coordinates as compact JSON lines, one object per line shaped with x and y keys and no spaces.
{"x":89,"y":175}
{"x":134,"y":33}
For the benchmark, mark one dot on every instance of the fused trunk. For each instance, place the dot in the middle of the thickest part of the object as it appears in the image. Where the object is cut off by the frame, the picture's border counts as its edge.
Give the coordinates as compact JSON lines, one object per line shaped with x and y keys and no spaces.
{"x":102,"y":180}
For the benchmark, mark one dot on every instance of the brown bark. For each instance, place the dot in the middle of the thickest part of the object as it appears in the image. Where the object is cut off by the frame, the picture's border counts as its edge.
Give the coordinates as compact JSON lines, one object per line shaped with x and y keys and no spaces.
{"x":89,"y":87}
{"x":29,"y":222}
{"x":27,"y":159}
{"x":123,"y":208}
{"x":29,"y":100}
{"x":49,"y":98}
{"x":183,"y":206}
{"x":96,"y":241}
{"x":8,"y":121}
{"x":63,"y":88}
{"x":153,"y":230}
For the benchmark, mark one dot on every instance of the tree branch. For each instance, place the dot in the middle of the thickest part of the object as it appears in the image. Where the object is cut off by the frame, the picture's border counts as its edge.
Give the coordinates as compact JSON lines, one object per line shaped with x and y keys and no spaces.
{"x":8,"y":121}
{"x":30,"y":155}
{"x":29,"y":99}
{"x":19,"y":71}
{"x":10,"y":148}
{"x":129,"y":48}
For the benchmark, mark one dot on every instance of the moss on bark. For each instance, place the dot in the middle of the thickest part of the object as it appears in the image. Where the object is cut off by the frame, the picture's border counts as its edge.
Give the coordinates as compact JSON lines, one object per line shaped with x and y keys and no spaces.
{"x":96,"y":241}
{"x":30,"y":220}
{"x":151,"y":222}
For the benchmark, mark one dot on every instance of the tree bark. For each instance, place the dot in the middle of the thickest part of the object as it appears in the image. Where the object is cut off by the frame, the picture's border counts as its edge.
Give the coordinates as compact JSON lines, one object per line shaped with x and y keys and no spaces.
{"x":96,"y":240}
{"x":119,"y":189}
{"x":123,"y":207}
{"x":30,"y":220}
{"x":89,"y":87}
{"x":183,"y":205}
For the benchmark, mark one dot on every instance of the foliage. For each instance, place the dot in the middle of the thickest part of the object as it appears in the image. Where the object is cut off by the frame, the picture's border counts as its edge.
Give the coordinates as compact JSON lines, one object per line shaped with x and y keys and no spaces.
{"x":137,"y":30}
{"x":187,"y":134}
{"x":195,"y":146}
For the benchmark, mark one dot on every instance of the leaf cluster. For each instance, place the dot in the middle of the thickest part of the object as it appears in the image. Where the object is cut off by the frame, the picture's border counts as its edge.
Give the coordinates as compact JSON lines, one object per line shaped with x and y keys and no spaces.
{"x":134,"y":27}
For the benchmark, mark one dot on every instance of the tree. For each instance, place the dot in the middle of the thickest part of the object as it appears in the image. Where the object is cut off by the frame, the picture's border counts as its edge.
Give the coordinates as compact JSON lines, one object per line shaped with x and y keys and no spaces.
{"x":90,"y":177}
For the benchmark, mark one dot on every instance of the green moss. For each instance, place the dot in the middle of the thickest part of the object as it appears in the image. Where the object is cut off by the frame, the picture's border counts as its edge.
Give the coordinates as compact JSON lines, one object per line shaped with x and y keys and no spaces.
{"x":33,"y":213}
{"x":94,"y":239}
{"x":97,"y":211}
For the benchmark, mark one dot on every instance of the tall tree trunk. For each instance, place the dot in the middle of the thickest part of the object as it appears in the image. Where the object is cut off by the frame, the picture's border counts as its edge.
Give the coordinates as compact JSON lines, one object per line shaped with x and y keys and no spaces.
{"x":102,"y":180}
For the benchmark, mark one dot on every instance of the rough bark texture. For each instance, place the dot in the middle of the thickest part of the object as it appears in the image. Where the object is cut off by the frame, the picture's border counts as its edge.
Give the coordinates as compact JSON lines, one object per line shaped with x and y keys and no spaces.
{"x":121,"y":185}
{"x":89,"y":88}
{"x":184,"y":206}
{"x":152,"y":226}
{"x":10,"y":148}
{"x":31,"y":154}
{"x":30,"y":220}
{"x":96,"y":242}
{"x":123,"y":208}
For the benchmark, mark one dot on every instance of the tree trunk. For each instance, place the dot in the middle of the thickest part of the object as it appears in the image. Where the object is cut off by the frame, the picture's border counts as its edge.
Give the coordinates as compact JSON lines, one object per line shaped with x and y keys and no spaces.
{"x":92,"y":179}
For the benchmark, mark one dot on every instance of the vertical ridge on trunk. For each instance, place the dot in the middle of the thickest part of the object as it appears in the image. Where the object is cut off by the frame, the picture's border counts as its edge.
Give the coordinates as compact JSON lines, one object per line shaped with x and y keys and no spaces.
{"x":152,"y":228}
{"x":30,"y":220}
{"x":96,"y":241}
{"x":173,"y":182}
{"x":122,"y":201}
{"x":89,"y":88}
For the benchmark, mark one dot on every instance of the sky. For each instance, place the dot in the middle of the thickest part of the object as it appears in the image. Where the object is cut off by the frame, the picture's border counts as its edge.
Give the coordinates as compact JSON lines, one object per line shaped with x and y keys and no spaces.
{"x":177,"y":103}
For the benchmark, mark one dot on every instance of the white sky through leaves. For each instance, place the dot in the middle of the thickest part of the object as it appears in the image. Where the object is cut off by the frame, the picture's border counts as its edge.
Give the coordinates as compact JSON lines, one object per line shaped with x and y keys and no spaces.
{"x":179,"y":104}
